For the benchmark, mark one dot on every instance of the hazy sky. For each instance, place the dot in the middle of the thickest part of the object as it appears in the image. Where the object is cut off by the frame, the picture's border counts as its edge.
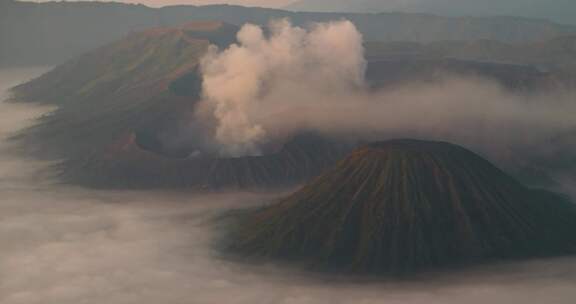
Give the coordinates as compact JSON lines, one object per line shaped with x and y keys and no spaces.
{"x":558,"y":10}
{"x":264,"y":3}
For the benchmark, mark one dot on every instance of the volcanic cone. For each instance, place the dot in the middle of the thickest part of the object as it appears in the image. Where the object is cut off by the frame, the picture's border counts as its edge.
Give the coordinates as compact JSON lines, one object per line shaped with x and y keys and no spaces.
{"x":406,"y":205}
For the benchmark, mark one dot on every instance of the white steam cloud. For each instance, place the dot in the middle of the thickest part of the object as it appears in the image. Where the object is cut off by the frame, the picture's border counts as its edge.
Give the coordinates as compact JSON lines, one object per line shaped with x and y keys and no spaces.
{"x":297,"y":79}
{"x":239,"y":81}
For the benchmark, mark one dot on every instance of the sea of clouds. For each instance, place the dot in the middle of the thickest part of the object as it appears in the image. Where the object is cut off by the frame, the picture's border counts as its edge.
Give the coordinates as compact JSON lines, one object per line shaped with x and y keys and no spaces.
{"x":66,"y":245}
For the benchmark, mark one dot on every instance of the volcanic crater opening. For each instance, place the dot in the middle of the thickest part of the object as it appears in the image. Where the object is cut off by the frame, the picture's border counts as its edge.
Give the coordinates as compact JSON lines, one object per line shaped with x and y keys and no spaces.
{"x":182,"y":139}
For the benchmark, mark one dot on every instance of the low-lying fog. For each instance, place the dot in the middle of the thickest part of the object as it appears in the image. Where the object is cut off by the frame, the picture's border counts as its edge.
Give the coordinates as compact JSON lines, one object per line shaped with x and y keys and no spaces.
{"x":62,"y":245}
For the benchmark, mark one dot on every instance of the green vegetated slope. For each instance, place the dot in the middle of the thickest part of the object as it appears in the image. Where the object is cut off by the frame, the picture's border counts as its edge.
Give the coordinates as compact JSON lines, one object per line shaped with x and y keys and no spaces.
{"x":405,"y":205}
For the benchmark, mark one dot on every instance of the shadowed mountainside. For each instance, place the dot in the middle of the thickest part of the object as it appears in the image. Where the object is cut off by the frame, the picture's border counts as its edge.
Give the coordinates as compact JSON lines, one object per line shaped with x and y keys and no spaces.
{"x":153,"y":57}
{"x":557,"y":10}
{"x":125,"y":120}
{"x":170,"y":54}
{"x":557,"y":54}
{"x":549,"y":64}
{"x":140,"y":92}
{"x":52,"y":32}
{"x":126,"y":165}
{"x":147,"y":79}
{"x":519,"y":78}
{"x":406,"y":205}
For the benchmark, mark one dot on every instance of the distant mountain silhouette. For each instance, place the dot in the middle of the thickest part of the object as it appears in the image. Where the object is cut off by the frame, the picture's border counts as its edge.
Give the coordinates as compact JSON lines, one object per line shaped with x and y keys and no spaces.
{"x":558,"y":53}
{"x":48,"y":33}
{"x":155,"y":57}
{"x":406,"y":205}
{"x":556,"y":10}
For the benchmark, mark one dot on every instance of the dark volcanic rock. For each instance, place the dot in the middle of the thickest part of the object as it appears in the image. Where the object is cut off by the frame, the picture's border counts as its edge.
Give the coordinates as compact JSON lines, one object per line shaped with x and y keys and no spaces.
{"x":156,"y":58}
{"x":405,"y":205}
{"x":125,"y":165}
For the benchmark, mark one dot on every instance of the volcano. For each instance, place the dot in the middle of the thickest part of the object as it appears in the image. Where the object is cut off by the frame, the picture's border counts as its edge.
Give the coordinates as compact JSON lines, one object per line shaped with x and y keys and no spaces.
{"x":126,"y":109}
{"x":126,"y":165}
{"x":125,"y":119}
{"x":402,"y":206}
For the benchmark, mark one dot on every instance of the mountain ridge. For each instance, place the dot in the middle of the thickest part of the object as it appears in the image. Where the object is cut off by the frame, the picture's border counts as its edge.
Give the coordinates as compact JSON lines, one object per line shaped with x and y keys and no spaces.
{"x":51,"y":32}
{"x":555,"y":10}
{"x":125,"y":120}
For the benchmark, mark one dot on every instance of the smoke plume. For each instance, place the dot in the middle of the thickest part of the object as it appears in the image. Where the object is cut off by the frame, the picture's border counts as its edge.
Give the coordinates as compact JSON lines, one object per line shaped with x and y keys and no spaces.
{"x":295,"y":79}
{"x":243,"y":83}
{"x":68,"y":245}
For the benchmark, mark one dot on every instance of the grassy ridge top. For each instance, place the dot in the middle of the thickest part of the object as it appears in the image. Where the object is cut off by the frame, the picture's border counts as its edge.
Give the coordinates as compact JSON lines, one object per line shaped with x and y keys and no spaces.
{"x":112,"y":91}
{"x":142,"y":58}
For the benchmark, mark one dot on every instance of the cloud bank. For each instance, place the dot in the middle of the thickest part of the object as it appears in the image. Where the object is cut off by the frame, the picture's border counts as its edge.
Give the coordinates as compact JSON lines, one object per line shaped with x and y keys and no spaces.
{"x":70,"y":245}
